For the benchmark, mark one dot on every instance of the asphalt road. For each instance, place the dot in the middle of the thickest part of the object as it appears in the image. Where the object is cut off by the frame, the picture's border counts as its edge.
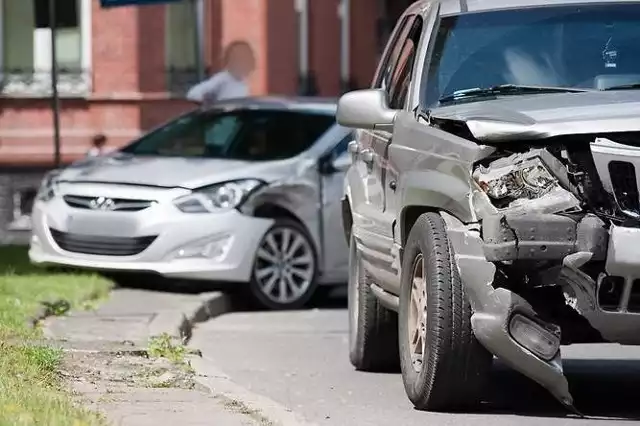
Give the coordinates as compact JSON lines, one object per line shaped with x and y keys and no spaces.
{"x":299,"y":359}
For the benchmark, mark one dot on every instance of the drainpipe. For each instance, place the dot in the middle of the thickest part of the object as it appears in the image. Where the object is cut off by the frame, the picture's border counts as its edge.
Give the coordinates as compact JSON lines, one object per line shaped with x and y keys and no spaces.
{"x":344,"y":12}
{"x":198,"y":14}
{"x":55,"y":100}
{"x":306,"y":81}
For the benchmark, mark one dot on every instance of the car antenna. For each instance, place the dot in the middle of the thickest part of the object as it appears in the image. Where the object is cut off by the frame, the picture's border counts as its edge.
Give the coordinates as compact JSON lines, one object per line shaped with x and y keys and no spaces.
{"x":464,"y":7}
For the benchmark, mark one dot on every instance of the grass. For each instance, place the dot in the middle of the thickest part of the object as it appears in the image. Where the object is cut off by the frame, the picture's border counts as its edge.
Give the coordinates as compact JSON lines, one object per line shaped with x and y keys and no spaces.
{"x":30,"y":391}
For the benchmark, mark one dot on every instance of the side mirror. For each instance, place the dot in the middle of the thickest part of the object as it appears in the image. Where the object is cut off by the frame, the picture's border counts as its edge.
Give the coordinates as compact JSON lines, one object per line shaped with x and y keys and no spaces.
{"x":342,"y":162}
{"x":366,"y":109}
{"x":339,"y":164}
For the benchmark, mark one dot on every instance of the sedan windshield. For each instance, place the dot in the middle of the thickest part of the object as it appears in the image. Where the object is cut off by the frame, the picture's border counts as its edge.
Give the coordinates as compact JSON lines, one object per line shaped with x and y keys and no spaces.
{"x":251,"y":135}
{"x":593,"y":47}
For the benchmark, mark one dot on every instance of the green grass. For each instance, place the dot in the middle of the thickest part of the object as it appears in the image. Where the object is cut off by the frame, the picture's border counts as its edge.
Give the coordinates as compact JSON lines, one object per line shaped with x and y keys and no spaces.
{"x":30,"y":390}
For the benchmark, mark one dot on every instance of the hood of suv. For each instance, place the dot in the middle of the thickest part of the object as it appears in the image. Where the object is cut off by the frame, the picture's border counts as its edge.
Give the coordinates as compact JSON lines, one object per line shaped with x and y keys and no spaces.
{"x":168,"y":172}
{"x":541,"y":116}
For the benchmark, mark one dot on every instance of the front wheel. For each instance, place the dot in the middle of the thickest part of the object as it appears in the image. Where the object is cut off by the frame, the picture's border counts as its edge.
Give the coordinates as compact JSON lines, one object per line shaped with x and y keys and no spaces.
{"x":443,"y":366}
{"x":373,"y":329}
{"x":285,"y":268}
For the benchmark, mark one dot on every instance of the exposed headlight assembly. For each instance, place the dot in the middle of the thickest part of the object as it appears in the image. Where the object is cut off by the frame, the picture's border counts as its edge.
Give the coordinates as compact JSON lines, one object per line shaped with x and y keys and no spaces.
{"x":218,"y":198}
{"x":48,"y":186}
{"x":529,"y":179}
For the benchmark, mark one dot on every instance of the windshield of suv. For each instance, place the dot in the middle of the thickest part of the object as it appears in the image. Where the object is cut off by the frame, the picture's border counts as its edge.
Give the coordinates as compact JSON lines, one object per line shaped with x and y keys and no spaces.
{"x":251,"y":135}
{"x":586,"y":46}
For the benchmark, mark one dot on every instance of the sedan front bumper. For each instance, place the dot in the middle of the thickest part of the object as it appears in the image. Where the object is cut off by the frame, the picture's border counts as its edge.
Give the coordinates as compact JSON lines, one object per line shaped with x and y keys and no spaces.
{"x":159,"y":239}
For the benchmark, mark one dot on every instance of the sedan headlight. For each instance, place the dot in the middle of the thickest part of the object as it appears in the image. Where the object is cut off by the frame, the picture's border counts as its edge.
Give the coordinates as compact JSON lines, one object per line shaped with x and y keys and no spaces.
{"x":48,"y":187}
{"x":219,"y":197}
{"x":529,"y":179}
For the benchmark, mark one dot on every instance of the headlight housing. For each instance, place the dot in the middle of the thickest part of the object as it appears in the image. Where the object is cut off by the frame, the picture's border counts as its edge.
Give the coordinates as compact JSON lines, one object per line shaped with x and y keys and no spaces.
{"x":529,"y":179}
{"x":48,"y":186}
{"x":218,"y":198}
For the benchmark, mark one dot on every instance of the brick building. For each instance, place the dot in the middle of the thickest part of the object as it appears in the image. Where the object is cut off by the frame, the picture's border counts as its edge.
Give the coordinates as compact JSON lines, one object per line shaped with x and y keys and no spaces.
{"x":124,"y":70}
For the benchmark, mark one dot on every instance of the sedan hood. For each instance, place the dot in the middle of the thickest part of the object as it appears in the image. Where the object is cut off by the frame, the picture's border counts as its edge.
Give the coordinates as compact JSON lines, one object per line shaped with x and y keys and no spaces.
{"x":168,"y":172}
{"x":546,"y":115}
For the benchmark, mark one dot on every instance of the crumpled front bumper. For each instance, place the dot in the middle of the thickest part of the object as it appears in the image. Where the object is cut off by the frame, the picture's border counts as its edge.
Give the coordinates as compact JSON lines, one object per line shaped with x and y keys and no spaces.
{"x":545,"y":237}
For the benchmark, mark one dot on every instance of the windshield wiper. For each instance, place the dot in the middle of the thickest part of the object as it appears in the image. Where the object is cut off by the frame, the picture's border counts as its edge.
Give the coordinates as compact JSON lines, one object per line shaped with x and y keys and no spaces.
{"x":505,"y":89}
{"x":631,"y":86}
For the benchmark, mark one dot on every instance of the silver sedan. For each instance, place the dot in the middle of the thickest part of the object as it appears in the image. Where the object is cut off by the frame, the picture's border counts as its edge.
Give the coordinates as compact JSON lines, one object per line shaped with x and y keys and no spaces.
{"x":247,"y":191}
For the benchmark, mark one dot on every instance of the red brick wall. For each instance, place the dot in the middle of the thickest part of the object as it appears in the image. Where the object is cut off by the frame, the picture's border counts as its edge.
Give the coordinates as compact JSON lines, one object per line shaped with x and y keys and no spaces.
{"x":128,"y":67}
{"x":324,"y":49}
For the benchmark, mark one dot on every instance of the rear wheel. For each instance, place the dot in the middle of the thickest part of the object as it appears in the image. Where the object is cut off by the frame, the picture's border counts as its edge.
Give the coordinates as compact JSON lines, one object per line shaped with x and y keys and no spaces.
{"x":373,"y":329}
{"x":284,"y":272}
{"x":443,"y":366}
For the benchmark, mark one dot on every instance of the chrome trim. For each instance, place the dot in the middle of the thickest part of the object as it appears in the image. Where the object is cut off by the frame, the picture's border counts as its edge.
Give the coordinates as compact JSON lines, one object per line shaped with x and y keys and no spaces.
{"x":106,"y":203}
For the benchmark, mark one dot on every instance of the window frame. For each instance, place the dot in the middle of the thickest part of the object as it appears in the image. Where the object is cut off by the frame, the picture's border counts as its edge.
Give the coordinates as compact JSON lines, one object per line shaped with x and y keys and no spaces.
{"x":389,"y":57}
{"x":179,"y":80}
{"x":404,"y":76}
{"x":69,"y":85}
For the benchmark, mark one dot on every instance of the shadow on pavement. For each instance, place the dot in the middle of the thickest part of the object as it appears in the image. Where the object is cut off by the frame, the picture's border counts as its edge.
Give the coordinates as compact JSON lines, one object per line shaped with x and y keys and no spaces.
{"x":601,"y":389}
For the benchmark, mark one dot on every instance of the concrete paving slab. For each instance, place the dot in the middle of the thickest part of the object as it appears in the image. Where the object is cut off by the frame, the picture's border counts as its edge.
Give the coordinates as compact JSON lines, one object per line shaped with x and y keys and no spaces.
{"x":108,"y":368}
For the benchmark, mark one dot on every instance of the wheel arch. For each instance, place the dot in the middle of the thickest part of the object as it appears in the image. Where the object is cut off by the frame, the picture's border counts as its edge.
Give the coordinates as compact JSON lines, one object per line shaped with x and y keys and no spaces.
{"x":408,"y":217}
{"x":271,"y":210}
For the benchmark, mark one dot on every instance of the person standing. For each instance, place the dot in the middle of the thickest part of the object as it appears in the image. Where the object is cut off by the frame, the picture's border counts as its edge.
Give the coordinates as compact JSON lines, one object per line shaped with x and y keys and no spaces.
{"x":231,"y":82}
{"x":98,"y":143}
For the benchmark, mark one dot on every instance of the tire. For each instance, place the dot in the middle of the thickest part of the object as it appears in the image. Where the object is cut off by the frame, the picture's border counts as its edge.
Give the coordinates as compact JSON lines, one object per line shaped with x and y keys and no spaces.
{"x":267,"y":289}
{"x":454,"y":365}
{"x":373,"y":329}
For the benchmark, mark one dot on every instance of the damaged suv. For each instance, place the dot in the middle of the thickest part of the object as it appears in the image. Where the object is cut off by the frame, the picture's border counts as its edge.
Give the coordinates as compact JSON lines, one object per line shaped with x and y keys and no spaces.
{"x":493,"y":198}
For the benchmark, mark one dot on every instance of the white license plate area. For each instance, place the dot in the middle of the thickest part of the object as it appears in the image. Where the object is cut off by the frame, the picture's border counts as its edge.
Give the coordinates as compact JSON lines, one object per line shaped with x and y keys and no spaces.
{"x":102,"y":223}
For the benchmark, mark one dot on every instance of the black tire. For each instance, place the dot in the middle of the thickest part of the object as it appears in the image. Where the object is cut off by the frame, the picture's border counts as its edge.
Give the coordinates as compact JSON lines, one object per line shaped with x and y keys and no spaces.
{"x":255,"y":289}
{"x":373,"y":329}
{"x":454,"y":364}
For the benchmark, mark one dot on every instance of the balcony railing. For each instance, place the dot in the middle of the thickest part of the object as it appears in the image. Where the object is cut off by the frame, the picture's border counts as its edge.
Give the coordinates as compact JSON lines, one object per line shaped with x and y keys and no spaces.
{"x":37,"y":83}
{"x":180,"y":80}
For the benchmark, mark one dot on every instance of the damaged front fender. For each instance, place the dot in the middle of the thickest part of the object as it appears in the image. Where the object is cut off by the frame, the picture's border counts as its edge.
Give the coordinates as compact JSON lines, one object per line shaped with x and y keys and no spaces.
{"x":493,"y":309}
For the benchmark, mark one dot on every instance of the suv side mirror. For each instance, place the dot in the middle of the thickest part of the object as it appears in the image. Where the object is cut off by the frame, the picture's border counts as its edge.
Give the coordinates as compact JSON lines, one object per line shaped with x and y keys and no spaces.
{"x":365,"y":109}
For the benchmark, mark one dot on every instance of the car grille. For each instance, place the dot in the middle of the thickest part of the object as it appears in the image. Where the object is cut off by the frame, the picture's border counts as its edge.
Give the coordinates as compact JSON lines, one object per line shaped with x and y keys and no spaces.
{"x":625,"y":186}
{"x":99,"y":245}
{"x":105,"y":203}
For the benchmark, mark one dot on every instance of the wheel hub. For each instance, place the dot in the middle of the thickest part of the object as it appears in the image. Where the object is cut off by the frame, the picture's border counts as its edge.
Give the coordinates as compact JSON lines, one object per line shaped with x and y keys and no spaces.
{"x":417,"y":328}
{"x":285,"y":265}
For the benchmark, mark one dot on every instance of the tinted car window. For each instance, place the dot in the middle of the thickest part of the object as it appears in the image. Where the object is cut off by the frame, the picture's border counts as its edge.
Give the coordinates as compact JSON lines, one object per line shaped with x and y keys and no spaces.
{"x":585,"y":46}
{"x":383,"y":79}
{"x":252,"y":135}
{"x":401,"y":77}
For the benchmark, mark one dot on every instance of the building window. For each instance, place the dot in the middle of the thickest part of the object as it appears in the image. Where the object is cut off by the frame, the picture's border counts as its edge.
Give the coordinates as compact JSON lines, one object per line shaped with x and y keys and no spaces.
{"x":180,"y":43}
{"x":25,"y":36}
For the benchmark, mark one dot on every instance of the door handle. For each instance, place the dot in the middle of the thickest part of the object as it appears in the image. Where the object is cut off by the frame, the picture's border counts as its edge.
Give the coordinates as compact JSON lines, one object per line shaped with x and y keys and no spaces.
{"x":353,"y":147}
{"x":367,"y":156}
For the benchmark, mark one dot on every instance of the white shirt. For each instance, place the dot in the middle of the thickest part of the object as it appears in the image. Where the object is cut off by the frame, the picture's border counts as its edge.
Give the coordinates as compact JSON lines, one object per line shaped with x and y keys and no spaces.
{"x":222,"y":85}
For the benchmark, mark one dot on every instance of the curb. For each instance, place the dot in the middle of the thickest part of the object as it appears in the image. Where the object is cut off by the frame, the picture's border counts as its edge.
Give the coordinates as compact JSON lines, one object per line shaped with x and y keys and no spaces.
{"x":219,"y":383}
{"x":182,"y":323}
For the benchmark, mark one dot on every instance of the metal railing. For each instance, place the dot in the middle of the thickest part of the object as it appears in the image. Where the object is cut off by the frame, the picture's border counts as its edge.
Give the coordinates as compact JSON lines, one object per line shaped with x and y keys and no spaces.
{"x":37,"y":83}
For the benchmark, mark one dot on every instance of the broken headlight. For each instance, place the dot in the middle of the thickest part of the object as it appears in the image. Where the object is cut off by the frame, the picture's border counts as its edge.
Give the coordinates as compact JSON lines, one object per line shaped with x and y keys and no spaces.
{"x":529,"y":179}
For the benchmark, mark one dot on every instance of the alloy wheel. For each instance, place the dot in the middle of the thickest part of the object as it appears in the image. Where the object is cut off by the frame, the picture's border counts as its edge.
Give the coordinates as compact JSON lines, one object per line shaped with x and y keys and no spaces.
{"x":418,"y":314}
{"x":285,"y":265}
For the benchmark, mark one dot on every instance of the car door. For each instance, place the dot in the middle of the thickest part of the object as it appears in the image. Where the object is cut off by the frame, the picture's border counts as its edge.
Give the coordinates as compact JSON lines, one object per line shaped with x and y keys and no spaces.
{"x":399,"y":86}
{"x":373,"y":225}
{"x":336,"y":259}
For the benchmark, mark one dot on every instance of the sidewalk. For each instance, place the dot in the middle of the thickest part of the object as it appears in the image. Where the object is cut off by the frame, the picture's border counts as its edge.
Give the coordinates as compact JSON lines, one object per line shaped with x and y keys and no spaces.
{"x":107,"y":366}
